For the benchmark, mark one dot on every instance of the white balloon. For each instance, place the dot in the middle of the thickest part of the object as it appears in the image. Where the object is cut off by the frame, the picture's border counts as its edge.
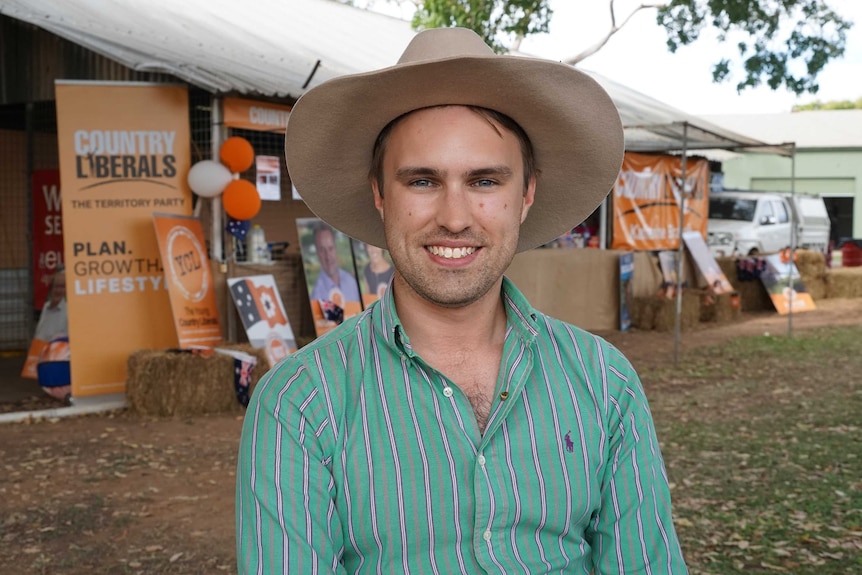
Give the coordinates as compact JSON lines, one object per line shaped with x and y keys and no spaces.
{"x":208,"y":178}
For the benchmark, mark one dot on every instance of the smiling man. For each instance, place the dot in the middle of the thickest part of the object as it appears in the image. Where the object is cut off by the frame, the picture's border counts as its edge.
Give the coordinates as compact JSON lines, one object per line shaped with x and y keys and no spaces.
{"x":451,"y":427}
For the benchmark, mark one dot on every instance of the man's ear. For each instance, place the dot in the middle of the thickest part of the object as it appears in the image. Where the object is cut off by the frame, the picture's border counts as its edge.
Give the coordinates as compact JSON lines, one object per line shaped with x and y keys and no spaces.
{"x":529,"y":197}
{"x":378,"y":197}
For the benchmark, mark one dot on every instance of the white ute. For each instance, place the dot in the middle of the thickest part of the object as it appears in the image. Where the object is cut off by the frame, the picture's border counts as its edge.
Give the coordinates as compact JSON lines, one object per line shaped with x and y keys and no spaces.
{"x":744,"y":223}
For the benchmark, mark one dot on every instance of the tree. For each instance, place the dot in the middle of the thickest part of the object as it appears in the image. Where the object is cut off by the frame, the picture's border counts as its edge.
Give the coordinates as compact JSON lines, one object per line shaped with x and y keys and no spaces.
{"x":831,"y":105}
{"x":779,"y":42}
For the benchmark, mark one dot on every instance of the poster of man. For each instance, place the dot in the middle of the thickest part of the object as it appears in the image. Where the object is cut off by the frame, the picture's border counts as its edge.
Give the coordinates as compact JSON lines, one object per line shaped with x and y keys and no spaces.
{"x":330,"y":272}
{"x":784,"y":285}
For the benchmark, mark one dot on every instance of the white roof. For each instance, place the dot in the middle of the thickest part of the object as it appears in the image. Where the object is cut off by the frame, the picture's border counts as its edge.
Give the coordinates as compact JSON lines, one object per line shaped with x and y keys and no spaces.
{"x":267,"y":47}
{"x":815,"y":129}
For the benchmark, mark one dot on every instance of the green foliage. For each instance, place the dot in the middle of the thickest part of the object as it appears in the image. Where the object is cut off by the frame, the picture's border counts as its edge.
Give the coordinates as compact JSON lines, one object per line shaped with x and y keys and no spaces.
{"x":831,"y":105}
{"x":786,"y":42}
{"x":494,"y":20}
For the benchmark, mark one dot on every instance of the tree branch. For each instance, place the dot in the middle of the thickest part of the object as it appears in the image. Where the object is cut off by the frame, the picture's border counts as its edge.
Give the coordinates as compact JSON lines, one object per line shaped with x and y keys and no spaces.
{"x":614,"y":29}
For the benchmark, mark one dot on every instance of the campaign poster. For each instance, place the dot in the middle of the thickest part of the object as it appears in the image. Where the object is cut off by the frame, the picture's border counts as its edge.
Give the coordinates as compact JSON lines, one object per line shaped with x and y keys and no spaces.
{"x":647,"y":198}
{"x":190,"y":281}
{"x":375,"y":270}
{"x":627,"y":269}
{"x":268,"y":178}
{"x":262,"y":313}
{"x":703,"y":258}
{"x":784,"y":285}
{"x":330,"y":272}
{"x":124,"y":153}
{"x":47,"y":231}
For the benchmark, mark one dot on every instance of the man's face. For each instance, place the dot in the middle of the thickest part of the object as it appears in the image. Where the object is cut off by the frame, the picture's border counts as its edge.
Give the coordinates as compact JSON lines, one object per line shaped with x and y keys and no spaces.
{"x":325,"y":242}
{"x":453,"y":204}
{"x":58,"y":289}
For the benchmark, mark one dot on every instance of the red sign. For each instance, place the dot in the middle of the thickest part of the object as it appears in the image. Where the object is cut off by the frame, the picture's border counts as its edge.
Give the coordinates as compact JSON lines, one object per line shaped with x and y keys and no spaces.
{"x":47,"y":232}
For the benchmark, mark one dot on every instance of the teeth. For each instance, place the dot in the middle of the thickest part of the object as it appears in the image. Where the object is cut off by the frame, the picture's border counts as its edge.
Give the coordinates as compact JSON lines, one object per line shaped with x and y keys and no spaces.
{"x":451,"y":253}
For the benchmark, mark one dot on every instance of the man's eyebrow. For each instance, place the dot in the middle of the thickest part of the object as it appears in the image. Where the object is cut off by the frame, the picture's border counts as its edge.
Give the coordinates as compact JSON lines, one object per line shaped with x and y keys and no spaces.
{"x":417,"y":171}
{"x":499,"y":171}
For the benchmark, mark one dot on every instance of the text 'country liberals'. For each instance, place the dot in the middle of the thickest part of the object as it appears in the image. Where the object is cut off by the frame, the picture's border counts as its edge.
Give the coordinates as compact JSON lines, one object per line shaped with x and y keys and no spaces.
{"x":124,"y":154}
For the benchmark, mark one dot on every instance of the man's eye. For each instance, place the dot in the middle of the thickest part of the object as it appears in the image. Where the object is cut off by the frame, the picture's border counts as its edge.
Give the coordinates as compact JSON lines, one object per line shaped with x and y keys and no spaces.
{"x":484,"y":183}
{"x":421,"y":183}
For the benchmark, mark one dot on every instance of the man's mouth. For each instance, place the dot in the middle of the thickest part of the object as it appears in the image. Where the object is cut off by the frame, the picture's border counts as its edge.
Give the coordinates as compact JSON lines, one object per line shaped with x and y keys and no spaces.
{"x":451,"y":253}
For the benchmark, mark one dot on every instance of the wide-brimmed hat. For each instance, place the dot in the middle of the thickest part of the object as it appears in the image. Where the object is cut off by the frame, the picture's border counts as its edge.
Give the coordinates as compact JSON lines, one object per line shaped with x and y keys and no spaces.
{"x":571,"y":121}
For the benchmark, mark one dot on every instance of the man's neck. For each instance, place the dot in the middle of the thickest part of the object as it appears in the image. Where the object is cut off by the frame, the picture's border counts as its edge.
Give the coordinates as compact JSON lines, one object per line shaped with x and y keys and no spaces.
{"x":436,"y":329}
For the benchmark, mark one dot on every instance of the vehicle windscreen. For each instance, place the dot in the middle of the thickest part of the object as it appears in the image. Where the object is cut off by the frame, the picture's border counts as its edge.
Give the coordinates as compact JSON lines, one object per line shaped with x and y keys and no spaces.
{"x":731,"y":209}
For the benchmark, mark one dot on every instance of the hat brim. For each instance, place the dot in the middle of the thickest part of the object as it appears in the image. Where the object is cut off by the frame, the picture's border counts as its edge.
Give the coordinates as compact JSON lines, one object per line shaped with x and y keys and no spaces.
{"x":571,"y":121}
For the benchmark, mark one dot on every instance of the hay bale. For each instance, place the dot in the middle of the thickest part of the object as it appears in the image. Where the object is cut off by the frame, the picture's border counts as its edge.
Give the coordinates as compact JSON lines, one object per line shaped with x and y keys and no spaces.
{"x":752,"y":295}
{"x":659,"y":313}
{"x":844,"y":282}
{"x":812,"y":270}
{"x":164,"y":383}
{"x":721,"y":308}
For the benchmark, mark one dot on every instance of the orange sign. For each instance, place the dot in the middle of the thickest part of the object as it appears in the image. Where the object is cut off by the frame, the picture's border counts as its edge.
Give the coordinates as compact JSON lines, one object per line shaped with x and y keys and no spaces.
{"x":124,"y":154}
{"x":255,"y":115}
{"x":647,"y":197}
{"x":190,"y":281}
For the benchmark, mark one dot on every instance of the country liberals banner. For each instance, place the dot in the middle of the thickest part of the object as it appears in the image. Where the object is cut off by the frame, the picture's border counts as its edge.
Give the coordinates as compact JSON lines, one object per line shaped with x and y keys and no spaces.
{"x":124,"y":154}
{"x":190,"y":281}
{"x":647,"y":197}
{"x":255,"y":115}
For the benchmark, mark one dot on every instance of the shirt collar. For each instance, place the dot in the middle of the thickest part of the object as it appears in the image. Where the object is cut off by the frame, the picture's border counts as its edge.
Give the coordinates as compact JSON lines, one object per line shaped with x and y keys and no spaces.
{"x":520,"y":315}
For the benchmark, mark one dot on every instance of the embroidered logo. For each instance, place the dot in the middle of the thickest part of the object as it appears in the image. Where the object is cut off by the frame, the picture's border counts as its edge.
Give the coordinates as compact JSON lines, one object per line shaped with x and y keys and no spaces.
{"x":570,"y":446}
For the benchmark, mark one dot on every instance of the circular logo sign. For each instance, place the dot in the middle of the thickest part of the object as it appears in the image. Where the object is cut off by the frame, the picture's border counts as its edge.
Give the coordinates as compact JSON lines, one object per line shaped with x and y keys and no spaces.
{"x":188,"y":264}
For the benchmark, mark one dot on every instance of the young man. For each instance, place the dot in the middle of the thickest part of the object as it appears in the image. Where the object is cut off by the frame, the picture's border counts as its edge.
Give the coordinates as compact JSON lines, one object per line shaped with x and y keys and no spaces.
{"x":452,"y":428}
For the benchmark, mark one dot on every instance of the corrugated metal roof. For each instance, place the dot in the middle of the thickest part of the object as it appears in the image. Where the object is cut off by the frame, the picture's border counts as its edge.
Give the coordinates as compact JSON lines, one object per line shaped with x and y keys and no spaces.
{"x":267,"y":47}
{"x":814,"y":129}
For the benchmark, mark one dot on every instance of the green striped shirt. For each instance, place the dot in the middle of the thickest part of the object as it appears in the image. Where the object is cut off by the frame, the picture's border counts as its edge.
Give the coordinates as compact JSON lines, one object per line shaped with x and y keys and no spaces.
{"x":358,"y":457}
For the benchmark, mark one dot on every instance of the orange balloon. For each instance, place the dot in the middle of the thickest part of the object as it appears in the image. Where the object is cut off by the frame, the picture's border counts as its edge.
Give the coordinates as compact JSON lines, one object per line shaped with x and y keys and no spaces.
{"x":237,"y":154}
{"x":241,"y":200}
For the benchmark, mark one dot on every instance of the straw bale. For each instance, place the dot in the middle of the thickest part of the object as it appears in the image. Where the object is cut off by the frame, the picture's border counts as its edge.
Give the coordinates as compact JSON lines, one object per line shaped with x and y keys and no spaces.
{"x":753,"y":296}
{"x":844,"y":282}
{"x":164,"y":383}
{"x":720,"y":308}
{"x":812,"y":270}
{"x":659,"y":313}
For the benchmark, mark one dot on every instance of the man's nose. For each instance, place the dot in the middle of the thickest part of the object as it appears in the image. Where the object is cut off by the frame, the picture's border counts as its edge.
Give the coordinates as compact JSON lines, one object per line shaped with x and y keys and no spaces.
{"x":453,"y":210}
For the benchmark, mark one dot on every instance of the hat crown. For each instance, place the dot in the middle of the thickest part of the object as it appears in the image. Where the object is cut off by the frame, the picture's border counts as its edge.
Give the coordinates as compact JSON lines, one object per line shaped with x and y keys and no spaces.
{"x":438,"y":43}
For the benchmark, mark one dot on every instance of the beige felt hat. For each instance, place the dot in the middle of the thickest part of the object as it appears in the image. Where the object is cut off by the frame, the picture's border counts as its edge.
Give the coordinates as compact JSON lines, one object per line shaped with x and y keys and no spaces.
{"x":571,"y":121}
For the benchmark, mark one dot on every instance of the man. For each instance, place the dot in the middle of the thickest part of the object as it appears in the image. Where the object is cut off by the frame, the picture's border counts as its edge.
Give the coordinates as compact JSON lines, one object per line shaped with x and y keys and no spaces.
{"x":333,"y":283}
{"x":452,"y":428}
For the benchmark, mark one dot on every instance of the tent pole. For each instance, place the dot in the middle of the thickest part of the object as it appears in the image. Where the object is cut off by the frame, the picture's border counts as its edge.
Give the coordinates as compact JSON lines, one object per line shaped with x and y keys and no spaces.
{"x":793,"y":238}
{"x":680,"y":248}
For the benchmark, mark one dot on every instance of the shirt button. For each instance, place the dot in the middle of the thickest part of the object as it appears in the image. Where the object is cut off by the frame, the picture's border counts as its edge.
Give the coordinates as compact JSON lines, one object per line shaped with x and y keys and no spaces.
{"x":447,"y":391}
{"x":486,"y":535}
{"x":481,"y":460}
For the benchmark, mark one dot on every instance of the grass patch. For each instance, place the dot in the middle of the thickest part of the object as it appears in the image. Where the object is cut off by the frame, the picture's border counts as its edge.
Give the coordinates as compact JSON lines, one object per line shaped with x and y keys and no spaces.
{"x":762,"y":441}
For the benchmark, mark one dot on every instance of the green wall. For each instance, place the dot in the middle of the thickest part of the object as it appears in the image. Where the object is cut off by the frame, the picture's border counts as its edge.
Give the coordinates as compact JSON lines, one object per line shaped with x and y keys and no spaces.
{"x":836,"y":173}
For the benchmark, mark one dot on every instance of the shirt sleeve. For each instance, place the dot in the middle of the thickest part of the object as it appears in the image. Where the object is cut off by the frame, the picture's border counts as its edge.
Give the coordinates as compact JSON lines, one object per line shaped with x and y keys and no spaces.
{"x":285,"y":513}
{"x":633,"y":530}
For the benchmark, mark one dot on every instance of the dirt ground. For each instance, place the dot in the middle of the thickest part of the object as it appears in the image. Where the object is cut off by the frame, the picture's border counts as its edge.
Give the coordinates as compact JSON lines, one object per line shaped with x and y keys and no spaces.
{"x":117,"y":493}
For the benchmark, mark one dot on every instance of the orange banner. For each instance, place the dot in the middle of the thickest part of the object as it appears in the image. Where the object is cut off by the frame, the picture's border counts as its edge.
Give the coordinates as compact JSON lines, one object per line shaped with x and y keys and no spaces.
{"x":190,"y":282}
{"x":124,"y":153}
{"x":647,"y":197}
{"x":255,"y":115}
